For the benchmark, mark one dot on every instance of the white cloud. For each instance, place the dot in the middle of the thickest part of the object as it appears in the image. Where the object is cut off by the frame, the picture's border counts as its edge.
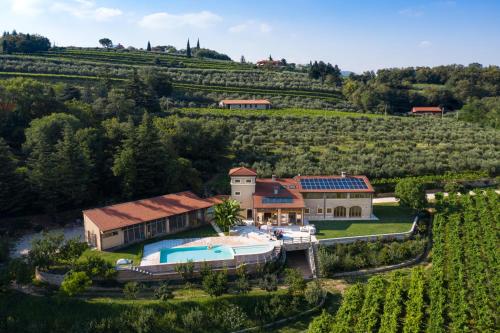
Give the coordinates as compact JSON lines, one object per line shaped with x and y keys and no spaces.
{"x":27,"y":7}
{"x":163,"y":20}
{"x":251,"y":26}
{"x":86,"y":9}
{"x":412,"y":12}
{"x":424,"y":44}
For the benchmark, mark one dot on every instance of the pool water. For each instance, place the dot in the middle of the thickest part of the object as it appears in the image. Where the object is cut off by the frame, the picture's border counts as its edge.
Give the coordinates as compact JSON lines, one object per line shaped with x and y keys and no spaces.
{"x":204,"y":253}
{"x":195,"y":253}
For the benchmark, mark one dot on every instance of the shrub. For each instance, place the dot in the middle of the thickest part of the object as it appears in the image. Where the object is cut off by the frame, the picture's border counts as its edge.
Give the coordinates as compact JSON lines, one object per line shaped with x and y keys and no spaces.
{"x":230,"y":316}
{"x":411,"y":193}
{"x":242,"y":284}
{"x":185,"y":270}
{"x":314,"y":293}
{"x":71,"y":250}
{"x":269,"y":282}
{"x":45,"y":250}
{"x":193,"y":320}
{"x":163,"y":292}
{"x":295,"y":281}
{"x":96,"y":266}
{"x":322,"y":323}
{"x":75,"y":283}
{"x":20,"y":271}
{"x":131,"y":290}
{"x":215,"y":283}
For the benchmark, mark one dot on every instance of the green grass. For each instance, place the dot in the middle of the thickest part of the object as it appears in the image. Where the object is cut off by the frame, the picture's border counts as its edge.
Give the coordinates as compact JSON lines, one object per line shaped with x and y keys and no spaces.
{"x":134,"y":251}
{"x":392,"y":219}
{"x":289,"y":112}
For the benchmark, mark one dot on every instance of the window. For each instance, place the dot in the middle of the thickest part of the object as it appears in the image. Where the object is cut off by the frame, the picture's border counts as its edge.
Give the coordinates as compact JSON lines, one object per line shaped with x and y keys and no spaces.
{"x":307,"y":211}
{"x":329,"y":210}
{"x":355,"y":211}
{"x":312,"y":195}
{"x":237,"y":181}
{"x":109,"y":234}
{"x":336,"y":195}
{"x":320,"y":210}
{"x":339,"y":211}
{"x":360,"y":195}
{"x":156,"y":227}
{"x":134,"y":233}
{"x":248,"y":180}
{"x":237,"y":193}
{"x":291,"y":187}
{"x":178,"y":222}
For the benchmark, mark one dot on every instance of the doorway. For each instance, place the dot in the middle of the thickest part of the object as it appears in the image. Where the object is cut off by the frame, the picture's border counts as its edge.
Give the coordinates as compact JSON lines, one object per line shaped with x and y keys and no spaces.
{"x":292,"y":217}
{"x":249,"y":214}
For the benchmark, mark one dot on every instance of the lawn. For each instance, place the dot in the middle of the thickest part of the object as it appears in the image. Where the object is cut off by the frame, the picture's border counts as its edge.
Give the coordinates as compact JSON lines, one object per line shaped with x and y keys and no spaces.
{"x":392,"y":219}
{"x":134,"y":251}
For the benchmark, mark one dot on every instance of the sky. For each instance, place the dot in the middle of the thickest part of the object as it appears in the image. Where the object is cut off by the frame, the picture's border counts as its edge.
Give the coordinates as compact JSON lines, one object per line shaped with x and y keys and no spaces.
{"x":357,"y":35}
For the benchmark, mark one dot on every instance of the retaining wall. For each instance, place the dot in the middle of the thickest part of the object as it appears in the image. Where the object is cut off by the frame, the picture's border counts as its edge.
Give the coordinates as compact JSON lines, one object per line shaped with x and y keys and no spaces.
{"x":49,"y":278}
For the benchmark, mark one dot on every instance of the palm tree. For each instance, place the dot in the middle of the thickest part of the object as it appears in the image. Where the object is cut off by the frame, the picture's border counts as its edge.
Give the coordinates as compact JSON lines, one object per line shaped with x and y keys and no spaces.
{"x":227,"y":214}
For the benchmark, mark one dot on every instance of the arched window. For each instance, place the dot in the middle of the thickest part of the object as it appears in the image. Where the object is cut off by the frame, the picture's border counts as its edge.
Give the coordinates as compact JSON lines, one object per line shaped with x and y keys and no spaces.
{"x":339,"y":211}
{"x":355,"y":211}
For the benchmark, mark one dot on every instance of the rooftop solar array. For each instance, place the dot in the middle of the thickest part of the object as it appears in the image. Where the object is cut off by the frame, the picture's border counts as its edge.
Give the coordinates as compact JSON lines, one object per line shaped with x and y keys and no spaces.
{"x":277,"y":200}
{"x":348,"y":183}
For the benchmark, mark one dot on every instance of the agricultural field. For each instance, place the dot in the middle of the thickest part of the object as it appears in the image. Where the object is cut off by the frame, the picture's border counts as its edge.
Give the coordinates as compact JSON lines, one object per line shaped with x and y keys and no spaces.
{"x":457,"y":293}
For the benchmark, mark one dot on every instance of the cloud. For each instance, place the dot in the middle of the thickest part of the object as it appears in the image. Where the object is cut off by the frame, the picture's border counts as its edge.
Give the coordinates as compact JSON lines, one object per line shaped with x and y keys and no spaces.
{"x":27,"y":7}
{"x":86,"y":9}
{"x":251,"y":26}
{"x":164,"y":20}
{"x":424,"y":44}
{"x":411,"y":12}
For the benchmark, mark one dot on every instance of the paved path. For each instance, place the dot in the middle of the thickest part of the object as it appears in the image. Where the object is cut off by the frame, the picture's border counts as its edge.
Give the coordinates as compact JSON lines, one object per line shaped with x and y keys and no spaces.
{"x":23,"y":245}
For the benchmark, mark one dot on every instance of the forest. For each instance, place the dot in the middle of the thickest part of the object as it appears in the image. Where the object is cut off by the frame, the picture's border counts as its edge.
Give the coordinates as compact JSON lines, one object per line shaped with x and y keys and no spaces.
{"x":458,"y":293}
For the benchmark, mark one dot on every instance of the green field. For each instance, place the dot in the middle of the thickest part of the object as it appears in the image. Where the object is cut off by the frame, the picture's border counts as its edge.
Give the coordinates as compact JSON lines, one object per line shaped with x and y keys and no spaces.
{"x":134,"y":252}
{"x":392,"y":219}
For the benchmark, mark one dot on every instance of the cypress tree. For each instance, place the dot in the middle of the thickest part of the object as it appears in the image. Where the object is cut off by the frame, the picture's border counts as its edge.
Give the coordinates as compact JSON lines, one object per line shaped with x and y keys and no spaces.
{"x":198,"y":44}
{"x":11,"y":183}
{"x":149,"y":46}
{"x":188,"y":50}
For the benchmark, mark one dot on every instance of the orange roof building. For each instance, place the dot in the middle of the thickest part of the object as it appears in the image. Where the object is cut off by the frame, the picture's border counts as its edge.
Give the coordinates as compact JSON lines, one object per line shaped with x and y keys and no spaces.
{"x":256,"y":104}
{"x":125,"y":223}
{"x":416,"y":110}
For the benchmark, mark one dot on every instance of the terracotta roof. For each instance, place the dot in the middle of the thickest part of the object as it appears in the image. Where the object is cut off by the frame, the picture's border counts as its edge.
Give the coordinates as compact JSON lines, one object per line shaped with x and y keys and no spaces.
{"x":417,"y":109}
{"x":134,"y":212}
{"x":287,"y":188}
{"x":242,"y":171}
{"x":369,"y":188}
{"x":217,"y":199}
{"x":246,"y":101}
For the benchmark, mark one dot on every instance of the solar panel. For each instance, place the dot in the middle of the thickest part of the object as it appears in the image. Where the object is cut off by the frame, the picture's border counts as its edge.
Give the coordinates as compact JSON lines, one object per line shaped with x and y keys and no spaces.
{"x":348,"y":183}
{"x":271,"y":200}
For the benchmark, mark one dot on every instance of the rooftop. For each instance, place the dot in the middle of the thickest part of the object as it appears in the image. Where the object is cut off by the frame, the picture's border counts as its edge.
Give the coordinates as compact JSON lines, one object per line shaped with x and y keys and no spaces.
{"x":280,"y":192}
{"x":134,"y":212}
{"x":334,"y":184}
{"x":417,"y":109}
{"x":242,"y":171}
{"x":246,"y":101}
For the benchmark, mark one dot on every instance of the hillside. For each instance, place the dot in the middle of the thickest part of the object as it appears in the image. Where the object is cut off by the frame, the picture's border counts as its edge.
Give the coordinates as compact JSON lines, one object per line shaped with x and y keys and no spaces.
{"x":197,"y":82}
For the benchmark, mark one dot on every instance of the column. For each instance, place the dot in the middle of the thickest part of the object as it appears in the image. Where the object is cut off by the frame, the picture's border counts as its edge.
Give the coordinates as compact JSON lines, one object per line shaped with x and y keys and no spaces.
{"x":279,"y":216}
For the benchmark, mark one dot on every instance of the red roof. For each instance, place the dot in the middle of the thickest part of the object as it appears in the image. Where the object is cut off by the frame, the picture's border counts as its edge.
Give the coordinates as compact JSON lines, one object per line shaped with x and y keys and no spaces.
{"x":369,"y":188}
{"x":417,"y":109}
{"x":134,"y":212}
{"x":246,"y":101}
{"x":287,"y":188}
{"x":242,"y":171}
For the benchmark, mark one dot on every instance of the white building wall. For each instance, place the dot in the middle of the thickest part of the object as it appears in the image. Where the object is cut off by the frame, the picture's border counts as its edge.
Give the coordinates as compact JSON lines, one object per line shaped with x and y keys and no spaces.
{"x":326,"y":204}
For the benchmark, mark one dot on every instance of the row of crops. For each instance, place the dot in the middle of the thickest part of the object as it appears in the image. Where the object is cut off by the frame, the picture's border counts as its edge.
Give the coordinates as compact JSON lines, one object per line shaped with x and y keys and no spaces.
{"x":459,"y":292}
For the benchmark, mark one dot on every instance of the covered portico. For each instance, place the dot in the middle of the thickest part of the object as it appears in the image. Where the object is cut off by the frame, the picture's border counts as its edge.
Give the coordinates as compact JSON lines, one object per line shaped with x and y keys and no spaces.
{"x":279,"y":216}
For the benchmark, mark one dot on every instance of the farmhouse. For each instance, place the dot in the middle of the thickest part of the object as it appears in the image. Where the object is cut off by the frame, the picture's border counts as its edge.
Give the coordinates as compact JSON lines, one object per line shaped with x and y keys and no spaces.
{"x":118,"y":225}
{"x":302,"y":198}
{"x":426,"y":110}
{"x":256,"y":104}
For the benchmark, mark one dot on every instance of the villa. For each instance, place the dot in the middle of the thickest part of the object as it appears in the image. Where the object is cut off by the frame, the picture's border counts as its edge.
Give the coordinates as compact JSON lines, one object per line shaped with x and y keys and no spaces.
{"x":293,"y":201}
{"x":275,"y":201}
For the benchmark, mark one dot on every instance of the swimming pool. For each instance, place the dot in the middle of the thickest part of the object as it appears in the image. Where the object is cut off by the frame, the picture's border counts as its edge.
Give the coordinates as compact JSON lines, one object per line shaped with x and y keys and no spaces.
{"x":196,"y":254}
{"x":204,"y":253}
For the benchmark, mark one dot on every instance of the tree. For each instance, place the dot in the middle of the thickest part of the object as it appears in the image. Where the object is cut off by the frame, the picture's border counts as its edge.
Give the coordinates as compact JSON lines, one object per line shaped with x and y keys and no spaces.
{"x":106,"y":42}
{"x":163,"y":292}
{"x":198,"y":44}
{"x":227,"y":214}
{"x":314,"y":293}
{"x":188,"y":50}
{"x":20,"y":271}
{"x":12,"y":185}
{"x":269,"y":282}
{"x":75,"y":283}
{"x":71,"y":250}
{"x":243,"y":60}
{"x":95,"y":266}
{"x":242,"y":283}
{"x":322,"y":323}
{"x":45,"y":250}
{"x":193,"y":320}
{"x":411,"y":193}
{"x":131,"y":290}
{"x":215,"y":283}
{"x":295,"y":281}
{"x":185,"y":270}
{"x":148,"y":47}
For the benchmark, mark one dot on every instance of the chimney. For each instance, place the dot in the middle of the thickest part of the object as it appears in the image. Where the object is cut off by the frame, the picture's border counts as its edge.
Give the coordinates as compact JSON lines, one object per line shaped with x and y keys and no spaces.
{"x":276,"y":189}
{"x":343,"y":174}
{"x":273,"y":178}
